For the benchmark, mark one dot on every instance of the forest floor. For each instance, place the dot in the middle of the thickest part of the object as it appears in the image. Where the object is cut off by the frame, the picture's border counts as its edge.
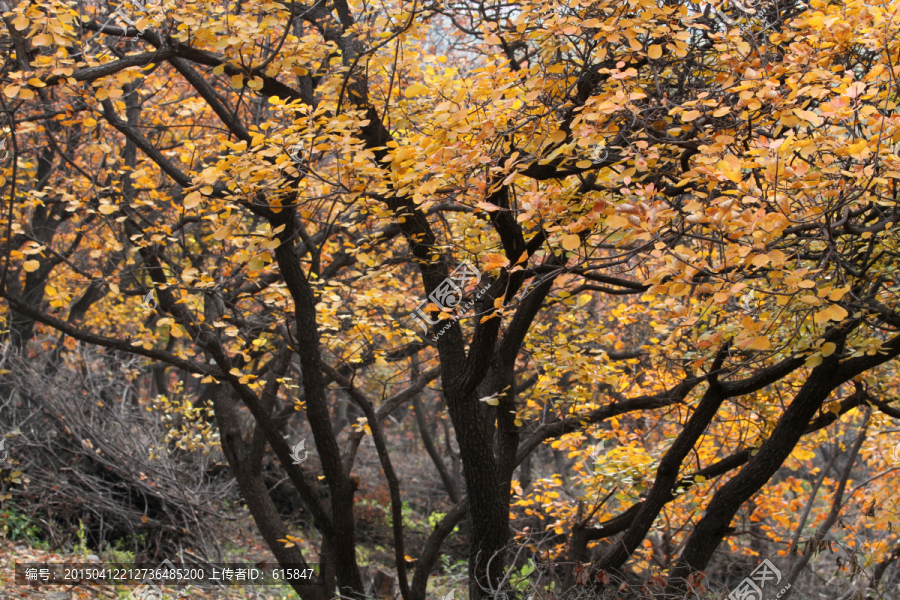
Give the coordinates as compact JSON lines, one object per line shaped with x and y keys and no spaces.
{"x":12,"y":552}
{"x":238,"y":541}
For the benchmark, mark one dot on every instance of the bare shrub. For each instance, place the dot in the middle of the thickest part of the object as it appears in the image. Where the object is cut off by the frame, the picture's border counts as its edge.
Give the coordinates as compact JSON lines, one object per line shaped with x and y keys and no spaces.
{"x":92,"y":448}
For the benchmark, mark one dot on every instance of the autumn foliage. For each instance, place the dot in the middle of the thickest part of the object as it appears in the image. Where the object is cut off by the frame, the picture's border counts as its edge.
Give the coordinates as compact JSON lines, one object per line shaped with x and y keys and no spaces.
{"x":683,"y":214}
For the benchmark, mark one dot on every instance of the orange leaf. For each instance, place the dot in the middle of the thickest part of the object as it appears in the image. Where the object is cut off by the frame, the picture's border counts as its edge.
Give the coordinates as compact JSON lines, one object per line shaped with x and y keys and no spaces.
{"x":760,"y":343}
{"x":571,"y":241}
{"x":616,"y":221}
{"x":832,"y":313}
{"x":495,"y":261}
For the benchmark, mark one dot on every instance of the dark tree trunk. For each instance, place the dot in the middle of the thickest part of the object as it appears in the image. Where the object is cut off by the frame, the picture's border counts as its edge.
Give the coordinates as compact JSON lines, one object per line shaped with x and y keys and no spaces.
{"x":255,"y":494}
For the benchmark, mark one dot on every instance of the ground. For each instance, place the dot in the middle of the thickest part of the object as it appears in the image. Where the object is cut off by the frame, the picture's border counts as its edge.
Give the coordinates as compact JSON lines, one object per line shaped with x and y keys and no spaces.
{"x":12,"y":552}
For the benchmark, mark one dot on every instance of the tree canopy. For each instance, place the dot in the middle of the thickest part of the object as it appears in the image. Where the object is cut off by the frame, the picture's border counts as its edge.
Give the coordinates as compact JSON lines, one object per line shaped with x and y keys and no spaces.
{"x":665,"y":227}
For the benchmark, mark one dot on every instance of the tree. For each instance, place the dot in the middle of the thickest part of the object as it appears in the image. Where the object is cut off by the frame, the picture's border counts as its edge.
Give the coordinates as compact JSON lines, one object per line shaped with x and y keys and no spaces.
{"x":668,"y":207}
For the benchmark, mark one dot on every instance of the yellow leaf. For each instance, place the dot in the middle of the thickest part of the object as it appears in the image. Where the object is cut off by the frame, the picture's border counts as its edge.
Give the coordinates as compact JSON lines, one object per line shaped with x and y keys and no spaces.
{"x":802,"y":454}
{"x":498,"y":302}
{"x":808,"y":115}
{"x":20,"y":22}
{"x":690,"y":115}
{"x":107,"y":209}
{"x":192,"y":199}
{"x":655,"y":51}
{"x":859,"y":150}
{"x":729,"y":172}
{"x":838,"y":293}
{"x":699,"y":478}
{"x":571,"y":241}
{"x":114,"y":288}
{"x":828,"y":349}
{"x":558,"y":136}
{"x":12,"y":91}
{"x":838,"y":313}
{"x":832,"y":313}
{"x":222,"y":233}
{"x":237,"y":82}
{"x":760,"y":343}
{"x":617,"y":222}
{"x":176,"y":331}
{"x":31,"y":265}
{"x":814,"y":361}
{"x":416,"y":89}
